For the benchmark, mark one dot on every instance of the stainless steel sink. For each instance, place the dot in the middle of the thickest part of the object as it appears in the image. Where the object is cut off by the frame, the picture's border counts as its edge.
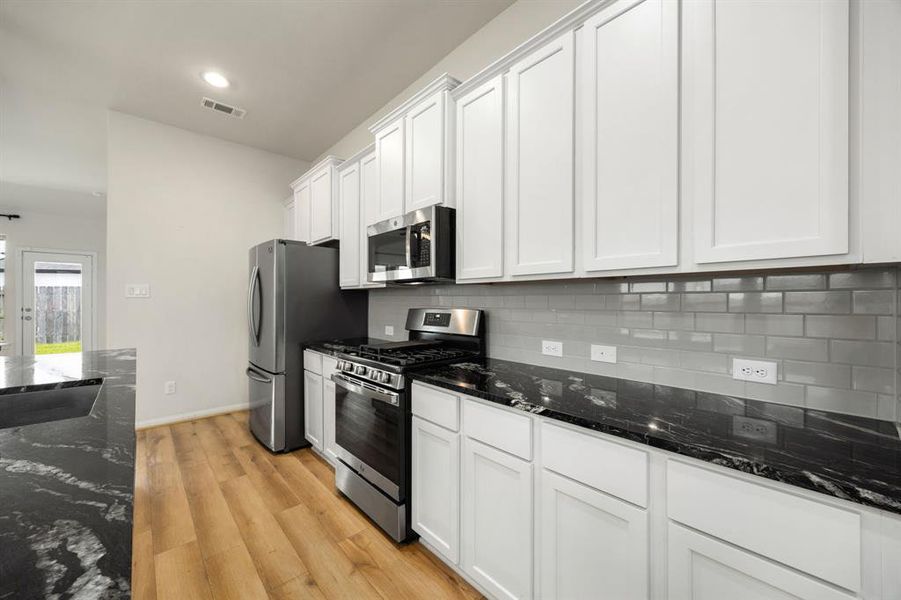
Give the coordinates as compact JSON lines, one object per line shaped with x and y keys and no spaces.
{"x":48,"y":403}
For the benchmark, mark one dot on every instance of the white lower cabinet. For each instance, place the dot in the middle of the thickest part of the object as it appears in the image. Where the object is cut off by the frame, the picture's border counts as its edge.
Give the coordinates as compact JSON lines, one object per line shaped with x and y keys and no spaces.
{"x":436,"y":487}
{"x":497,"y":520}
{"x":312,"y":408}
{"x":704,"y":568}
{"x":593,"y":546}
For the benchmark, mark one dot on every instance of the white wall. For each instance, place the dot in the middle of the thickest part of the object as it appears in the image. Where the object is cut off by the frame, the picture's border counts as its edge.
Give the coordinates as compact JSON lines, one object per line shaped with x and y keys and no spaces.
{"x":183,"y":210}
{"x":51,"y":231}
{"x":520,"y":21}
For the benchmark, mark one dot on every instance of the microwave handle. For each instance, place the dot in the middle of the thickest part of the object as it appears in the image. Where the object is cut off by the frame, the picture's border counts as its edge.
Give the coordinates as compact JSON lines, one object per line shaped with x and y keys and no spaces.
{"x":409,"y":244}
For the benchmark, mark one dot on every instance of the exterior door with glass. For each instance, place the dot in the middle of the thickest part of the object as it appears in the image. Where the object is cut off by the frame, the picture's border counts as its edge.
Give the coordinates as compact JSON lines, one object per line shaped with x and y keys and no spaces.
{"x":56,"y":302}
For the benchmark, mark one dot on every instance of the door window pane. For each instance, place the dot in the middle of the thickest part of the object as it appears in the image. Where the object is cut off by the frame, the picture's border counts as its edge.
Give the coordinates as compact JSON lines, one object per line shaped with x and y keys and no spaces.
{"x":57,"y":307}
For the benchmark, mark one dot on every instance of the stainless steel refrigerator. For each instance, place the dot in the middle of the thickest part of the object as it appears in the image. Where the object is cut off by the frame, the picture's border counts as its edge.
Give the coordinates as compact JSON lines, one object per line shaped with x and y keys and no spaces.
{"x":292,"y":298}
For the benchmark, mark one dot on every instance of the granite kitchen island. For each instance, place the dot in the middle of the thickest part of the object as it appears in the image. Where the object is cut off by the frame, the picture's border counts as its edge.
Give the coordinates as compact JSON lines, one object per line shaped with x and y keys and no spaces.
{"x":66,"y":486}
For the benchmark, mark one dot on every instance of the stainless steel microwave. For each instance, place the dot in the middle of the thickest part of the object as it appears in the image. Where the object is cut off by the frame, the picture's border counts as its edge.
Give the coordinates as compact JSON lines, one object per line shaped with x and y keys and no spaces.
{"x":415,"y":248}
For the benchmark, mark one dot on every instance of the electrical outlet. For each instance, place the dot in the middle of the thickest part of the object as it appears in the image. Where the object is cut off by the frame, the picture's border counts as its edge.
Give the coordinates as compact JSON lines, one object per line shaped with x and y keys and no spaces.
{"x":758,"y":371}
{"x":551,"y":348}
{"x":169,"y":388}
{"x":755,"y":429}
{"x":605,"y":354}
{"x":389,"y":330}
{"x":137,"y":290}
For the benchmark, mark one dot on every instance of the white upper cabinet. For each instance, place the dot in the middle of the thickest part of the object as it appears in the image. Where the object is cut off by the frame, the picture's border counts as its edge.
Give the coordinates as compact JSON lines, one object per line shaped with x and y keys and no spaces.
{"x":765,"y":129}
{"x":414,"y":153}
{"x":389,"y":158}
{"x":316,"y":208}
{"x":301,"y":188}
{"x":539,"y":160}
{"x":425,"y":130}
{"x":288,"y":217}
{"x":349,"y":193}
{"x":480,"y":181}
{"x":356,"y":185}
{"x":629,"y":124}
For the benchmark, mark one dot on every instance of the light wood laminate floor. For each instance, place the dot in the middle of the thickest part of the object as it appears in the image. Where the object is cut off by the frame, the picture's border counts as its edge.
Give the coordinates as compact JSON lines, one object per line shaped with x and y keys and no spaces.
{"x":218,"y":516}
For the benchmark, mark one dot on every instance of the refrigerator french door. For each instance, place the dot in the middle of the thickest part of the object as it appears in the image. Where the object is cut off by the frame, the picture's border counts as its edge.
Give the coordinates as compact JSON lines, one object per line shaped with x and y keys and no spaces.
{"x":292,"y":298}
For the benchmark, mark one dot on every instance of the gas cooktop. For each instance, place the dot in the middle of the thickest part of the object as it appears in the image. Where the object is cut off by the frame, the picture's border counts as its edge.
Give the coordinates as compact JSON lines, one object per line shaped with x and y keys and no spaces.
{"x":401,"y":355}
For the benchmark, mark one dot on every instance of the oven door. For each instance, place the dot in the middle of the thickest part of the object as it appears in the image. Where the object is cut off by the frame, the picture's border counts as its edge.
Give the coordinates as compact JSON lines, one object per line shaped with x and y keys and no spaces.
{"x":369,"y":432}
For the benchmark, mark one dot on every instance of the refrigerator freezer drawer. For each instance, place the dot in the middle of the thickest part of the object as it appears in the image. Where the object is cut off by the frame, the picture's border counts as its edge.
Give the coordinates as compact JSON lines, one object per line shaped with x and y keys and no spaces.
{"x":267,"y":407}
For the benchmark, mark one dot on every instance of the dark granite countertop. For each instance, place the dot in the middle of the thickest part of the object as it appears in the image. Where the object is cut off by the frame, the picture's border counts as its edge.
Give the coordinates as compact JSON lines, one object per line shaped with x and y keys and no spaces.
{"x":66,"y":486}
{"x":852,"y":458}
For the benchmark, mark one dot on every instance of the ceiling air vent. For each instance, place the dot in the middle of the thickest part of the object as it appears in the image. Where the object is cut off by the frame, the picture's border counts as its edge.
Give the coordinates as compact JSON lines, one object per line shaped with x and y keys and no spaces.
{"x":225,"y":109}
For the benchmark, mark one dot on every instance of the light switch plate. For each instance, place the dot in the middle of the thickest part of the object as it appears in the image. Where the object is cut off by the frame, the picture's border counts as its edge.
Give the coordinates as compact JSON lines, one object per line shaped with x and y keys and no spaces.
{"x":169,"y":388}
{"x":605,"y":354}
{"x":758,"y":371}
{"x":389,"y":330}
{"x":551,"y":348}
{"x":137,"y":290}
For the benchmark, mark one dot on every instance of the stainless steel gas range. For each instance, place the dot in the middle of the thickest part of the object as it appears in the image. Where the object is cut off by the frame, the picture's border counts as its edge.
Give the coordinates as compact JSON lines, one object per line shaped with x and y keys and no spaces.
{"x":372,"y":409}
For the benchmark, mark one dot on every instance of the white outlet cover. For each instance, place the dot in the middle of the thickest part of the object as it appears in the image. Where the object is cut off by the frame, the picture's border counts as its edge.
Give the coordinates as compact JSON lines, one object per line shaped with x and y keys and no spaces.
{"x":389,"y":330}
{"x":758,"y":371}
{"x":169,"y":388}
{"x":551,"y":348}
{"x":605,"y":354}
{"x":137,"y":290}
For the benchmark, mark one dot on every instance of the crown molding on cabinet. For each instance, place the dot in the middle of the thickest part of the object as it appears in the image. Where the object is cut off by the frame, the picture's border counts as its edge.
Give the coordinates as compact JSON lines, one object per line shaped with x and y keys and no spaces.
{"x":567,"y":22}
{"x":444,"y":82}
{"x":329,"y":160}
{"x":357,"y":156}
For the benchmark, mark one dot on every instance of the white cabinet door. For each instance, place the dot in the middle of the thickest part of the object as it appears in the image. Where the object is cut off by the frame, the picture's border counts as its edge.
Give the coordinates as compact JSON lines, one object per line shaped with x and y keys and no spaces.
{"x":579,"y":527}
{"x":497,"y":520}
{"x":349,"y":251}
{"x":321,"y":206}
{"x":703,"y":568}
{"x":425,"y":145}
{"x":765,"y":130}
{"x":369,"y":190}
{"x":288,"y":224}
{"x":629,"y":126}
{"x":389,"y":156}
{"x":436,"y":487}
{"x":302,"y":211}
{"x":539,"y":160}
{"x":480,"y":181}
{"x":329,"y":447}
{"x":312,"y":408}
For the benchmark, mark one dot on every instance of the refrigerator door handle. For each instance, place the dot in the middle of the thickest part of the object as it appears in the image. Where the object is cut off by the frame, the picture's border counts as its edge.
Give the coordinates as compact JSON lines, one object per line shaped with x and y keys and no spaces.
{"x":257,"y":376}
{"x":251,"y":317}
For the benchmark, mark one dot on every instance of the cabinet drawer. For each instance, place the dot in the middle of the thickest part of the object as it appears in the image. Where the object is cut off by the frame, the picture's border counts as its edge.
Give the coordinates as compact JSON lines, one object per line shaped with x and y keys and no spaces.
{"x":504,"y":430}
{"x":612,"y":468}
{"x":329,"y":366}
{"x":312,"y":361}
{"x":441,"y":408}
{"x":812,"y":537}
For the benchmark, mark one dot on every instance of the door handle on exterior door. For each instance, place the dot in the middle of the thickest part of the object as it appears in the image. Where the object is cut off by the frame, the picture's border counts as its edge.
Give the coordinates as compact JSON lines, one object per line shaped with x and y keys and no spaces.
{"x":251,"y":317}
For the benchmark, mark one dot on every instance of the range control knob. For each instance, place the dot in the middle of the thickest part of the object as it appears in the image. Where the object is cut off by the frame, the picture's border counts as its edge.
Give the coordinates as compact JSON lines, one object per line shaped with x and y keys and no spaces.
{"x":360,"y":370}
{"x":347,"y":366}
{"x":384,"y":377}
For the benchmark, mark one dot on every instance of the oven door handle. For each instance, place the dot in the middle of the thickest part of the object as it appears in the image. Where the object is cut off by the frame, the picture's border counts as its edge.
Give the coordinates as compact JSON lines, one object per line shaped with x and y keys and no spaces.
{"x":365,"y":390}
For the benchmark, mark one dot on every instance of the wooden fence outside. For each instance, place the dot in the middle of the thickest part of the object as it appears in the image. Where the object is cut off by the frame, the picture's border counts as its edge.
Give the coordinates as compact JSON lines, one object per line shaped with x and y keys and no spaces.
{"x":57,"y":315}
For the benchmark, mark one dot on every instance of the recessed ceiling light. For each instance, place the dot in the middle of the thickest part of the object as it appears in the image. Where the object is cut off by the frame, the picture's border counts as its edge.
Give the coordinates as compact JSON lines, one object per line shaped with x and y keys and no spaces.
{"x":215,"y":79}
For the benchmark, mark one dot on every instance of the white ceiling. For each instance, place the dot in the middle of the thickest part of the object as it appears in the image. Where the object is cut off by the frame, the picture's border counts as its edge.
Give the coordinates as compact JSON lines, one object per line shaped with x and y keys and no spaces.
{"x":306,"y":72}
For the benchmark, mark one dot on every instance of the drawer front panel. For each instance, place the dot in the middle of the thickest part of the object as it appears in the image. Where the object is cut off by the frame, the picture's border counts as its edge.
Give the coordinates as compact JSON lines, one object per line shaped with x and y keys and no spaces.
{"x":496,"y":427}
{"x":312,"y":361}
{"x":612,"y":468}
{"x":441,"y":408}
{"x":812,"y":537}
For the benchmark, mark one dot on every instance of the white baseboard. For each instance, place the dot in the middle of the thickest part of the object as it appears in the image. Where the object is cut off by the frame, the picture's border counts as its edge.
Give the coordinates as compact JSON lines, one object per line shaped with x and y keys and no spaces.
{"x":198,"y":414}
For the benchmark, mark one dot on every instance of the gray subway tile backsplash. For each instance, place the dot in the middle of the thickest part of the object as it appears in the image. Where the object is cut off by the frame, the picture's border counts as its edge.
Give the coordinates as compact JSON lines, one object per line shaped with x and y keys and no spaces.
{"x":834,"y":335}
